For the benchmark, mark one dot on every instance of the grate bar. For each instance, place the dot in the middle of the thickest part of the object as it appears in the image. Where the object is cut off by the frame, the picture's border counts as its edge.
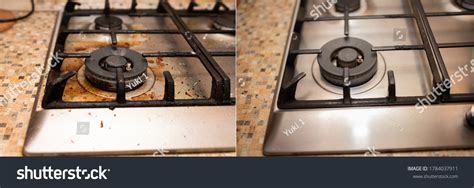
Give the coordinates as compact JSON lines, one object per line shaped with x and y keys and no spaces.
{"x":161,"y":31}
{"x":221,"y":82}
{"x":436,"y":62}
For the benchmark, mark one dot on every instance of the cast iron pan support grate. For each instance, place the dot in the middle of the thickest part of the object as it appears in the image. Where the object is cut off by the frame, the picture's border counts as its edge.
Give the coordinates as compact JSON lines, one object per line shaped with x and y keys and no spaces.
{"x":220,"y":90}
{"x":220,"y":81}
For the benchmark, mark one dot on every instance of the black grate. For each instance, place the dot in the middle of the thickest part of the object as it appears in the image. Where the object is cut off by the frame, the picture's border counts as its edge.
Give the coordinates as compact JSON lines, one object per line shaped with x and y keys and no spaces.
{"x":438,"y":69}
{"x":220,"y":89}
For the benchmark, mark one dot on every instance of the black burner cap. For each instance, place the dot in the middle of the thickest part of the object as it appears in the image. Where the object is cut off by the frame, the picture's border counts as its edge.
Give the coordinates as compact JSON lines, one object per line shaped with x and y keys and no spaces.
{"x":115,"y":61}
{"x":347,"y":57}
{"x":353,"y":53}
{"x":352,"y":5}
{"x":102,"y":65}
{"x":466,"y":4}
{"x":108,"y":23}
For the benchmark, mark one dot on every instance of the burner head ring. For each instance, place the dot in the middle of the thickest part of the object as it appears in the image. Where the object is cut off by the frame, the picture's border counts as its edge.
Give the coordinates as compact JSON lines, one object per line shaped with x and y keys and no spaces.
{"x":353,"y":53}
{"x":108,"y":23}
{"x":466,"y":4}
{"x":102,"y":64}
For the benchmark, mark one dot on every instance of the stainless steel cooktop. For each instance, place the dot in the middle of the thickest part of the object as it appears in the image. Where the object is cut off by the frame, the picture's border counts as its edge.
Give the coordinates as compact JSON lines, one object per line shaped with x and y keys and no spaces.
{"x":375,"y":75}
{"x":137,"y":81}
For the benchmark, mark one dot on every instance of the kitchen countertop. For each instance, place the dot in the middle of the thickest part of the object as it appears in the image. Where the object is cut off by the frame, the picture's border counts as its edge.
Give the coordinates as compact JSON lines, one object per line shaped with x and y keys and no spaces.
{"x":23,"y":49}
{"x":263,"y":28}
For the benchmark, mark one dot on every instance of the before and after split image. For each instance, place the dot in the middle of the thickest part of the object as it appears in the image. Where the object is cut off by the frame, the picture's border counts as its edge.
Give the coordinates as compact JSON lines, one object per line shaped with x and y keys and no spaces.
{"x":236,"y":78}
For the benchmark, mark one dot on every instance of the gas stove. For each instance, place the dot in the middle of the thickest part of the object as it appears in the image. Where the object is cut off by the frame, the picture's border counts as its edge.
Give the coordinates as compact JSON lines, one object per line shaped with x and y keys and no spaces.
{"x":137,"y":81}
{"x":375,"y":76}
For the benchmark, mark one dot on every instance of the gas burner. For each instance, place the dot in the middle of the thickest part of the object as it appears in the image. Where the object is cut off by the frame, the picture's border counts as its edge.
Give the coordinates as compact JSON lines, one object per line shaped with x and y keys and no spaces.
{"x":352,"y":5}
{"x":466,"y":4}
{"x":352,"y":53}
{"x":104,"y":64}
{"x":86,"y":84}
{"x":226,"y":22}
{"x":108,"y":23}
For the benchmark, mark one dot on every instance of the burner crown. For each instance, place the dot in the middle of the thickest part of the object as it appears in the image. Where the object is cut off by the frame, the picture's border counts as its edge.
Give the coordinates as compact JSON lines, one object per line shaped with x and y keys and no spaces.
{"x":102,"y":65}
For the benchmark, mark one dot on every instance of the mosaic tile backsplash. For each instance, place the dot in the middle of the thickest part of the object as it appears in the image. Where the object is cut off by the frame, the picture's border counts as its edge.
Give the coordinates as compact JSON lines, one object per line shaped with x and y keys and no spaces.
{"x":263,"y":29}
{"x":23,"y":52}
